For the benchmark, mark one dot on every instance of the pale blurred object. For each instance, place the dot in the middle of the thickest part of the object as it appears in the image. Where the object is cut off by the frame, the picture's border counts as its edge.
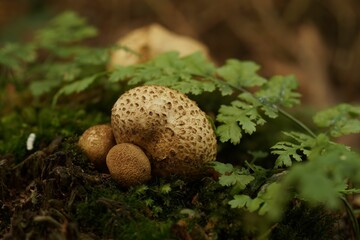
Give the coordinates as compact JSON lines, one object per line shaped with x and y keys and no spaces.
{"x":150,"y":41}
{"x":30,"y":141}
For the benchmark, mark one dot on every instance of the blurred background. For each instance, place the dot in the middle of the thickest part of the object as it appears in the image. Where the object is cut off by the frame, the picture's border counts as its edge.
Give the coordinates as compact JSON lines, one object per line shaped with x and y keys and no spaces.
{"x":317,"y":40}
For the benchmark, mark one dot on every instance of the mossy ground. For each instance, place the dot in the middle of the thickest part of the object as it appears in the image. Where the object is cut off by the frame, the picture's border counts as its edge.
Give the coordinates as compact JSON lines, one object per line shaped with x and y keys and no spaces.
{"x":54,"y":192}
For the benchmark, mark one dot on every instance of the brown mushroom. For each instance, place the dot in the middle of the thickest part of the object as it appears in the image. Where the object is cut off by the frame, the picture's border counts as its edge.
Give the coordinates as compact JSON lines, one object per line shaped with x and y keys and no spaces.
{"x":96,"y":142}
{"x":128,"y":164}
{"x":171,"y":129}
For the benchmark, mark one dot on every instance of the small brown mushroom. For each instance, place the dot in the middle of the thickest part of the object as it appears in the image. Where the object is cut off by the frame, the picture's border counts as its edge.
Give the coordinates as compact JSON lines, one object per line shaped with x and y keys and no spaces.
{"x":96,"y":142}
{"x":171,"y":129}
{"x":128,"y":164}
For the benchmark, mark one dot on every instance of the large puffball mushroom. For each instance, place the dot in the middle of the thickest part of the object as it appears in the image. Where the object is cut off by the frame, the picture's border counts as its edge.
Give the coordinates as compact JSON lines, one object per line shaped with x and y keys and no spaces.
{"x":128,"y":165}
{"x":96,"y":142}
{"x":172,"y":130}
{"x":150,"y":41}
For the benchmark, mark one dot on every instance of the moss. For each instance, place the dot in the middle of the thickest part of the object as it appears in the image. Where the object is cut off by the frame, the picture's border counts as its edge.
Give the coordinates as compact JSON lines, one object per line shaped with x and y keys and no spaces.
{"x":303,"y":222}
{"x":111,"y":213}
{"x":63,"y":196}
{"x":46,"y":123}
{"x":64,"y":191}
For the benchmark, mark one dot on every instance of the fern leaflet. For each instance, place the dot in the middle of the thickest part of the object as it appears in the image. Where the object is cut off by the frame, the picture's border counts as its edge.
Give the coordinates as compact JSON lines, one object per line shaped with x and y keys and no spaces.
{"x":340,"y":120}
{"x":289,"y":151}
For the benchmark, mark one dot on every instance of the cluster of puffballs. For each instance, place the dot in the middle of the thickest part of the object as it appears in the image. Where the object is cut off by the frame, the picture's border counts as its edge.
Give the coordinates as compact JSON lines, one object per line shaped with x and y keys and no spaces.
{"x":154,"y":131}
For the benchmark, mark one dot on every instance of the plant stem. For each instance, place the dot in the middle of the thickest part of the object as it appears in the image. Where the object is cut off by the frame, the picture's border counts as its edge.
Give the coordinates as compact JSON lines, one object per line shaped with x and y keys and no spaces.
{"x":297,"y":121}
{"x":283,"y":112}
{"x":354,"y":222}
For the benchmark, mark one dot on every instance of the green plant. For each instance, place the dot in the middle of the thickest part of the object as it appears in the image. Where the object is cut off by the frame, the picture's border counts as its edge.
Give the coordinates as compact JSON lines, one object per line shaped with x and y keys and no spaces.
{"x":56,"y":56}
{"x":319,"y":159}
{"x":304,"y":165}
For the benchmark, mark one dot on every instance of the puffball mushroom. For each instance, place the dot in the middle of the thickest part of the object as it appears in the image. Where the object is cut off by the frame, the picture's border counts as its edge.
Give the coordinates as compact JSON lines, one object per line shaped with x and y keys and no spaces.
{"x":96,"y":142}
{"x":173,"y":131}
{"x":128,"y":165}
{"x":150,"y":41}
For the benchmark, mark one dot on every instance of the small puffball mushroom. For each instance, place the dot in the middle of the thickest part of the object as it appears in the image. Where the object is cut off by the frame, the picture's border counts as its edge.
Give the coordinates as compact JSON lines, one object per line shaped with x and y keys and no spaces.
{"x":96,"y":142}
{"x":128,"y":164}
{"x":172,"y":130}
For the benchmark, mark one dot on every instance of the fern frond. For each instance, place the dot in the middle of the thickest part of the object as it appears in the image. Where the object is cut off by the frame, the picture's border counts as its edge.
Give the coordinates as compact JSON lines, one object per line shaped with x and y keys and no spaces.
{"x":240,"y":74}
{"x":68,"y":27}
{"x":187,"y":75}
{"x":289,"y":151}
{"x":241,"y":116}
{"x":340,"y":120}
{"x":75,"y":87}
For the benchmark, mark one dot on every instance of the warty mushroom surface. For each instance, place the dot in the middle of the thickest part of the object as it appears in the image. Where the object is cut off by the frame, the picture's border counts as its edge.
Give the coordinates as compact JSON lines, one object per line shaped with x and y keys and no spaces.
{"x":171,"y":129}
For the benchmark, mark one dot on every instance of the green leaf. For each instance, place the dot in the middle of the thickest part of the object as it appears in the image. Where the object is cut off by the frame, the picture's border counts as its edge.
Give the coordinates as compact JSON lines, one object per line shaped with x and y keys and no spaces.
{"x":275,"y":197}
{"x":241,"y":116}
{"x":14,"y":56}
{"x":169,"y":70}
{"x":184,"y":84}
{"x":168,"y":60}
{"x":93,"y":56}
{"x":224,"y":88}
{"x":277,"y":92}
{"x":60,"y":71}
{"x":121,"y":74}
{"x":323,"y":178}
{"x":258,"y":155}
{"x":222,"y":168}
{"x":230,"y":131}
{"x":234,"y":178}
{"x":75,"y":87}
{"x":244,"y":201}
{"x":241,"y":74}
{"x":197,"y":64}
{"x":289,"y":151}
{"x":38,"y":88}
{"x":239,"y":201}
{"x":68,"y":27}
{"x":340,"y":120}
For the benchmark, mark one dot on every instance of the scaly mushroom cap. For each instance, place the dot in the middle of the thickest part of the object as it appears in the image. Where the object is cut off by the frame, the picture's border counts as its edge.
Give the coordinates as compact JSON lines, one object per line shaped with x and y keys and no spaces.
{"x":96,"y":142}
{"x":128,"y":164}
{"x":172,"y":130}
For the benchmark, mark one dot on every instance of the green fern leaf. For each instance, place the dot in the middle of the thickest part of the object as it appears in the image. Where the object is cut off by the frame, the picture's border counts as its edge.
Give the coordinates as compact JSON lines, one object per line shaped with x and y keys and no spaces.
{"x":75,"y":87}
{"x":240,"y":201}
{"x":121,"y":74}
{"x":38,"y":88}
{"x":340,"y":120}
{"x":13,"y":56}
{"x":241,"y":116}
{"x":241,"y":180}
{"x":224,"y":88}
{"x":229,"y":131}
{"x":241,"y":74}
{"x":244,"y":201}
{"x":66,"y":28}
{"x":12,"y":53}
{"x":198,"y":65}
{"x":93,"y":56}
{"x":277,"y":92}
{"x":288,"y":151}
{"x":222,"y":168}
{"x":170,"y":70}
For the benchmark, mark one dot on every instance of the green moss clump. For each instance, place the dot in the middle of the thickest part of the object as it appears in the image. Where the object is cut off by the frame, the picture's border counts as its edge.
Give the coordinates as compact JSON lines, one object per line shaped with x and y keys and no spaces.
{"x":302,"y":221}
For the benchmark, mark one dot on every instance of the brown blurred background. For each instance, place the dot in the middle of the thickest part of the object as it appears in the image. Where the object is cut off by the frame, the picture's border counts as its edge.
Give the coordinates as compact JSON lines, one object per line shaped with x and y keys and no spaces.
{"x":317,"y":40}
